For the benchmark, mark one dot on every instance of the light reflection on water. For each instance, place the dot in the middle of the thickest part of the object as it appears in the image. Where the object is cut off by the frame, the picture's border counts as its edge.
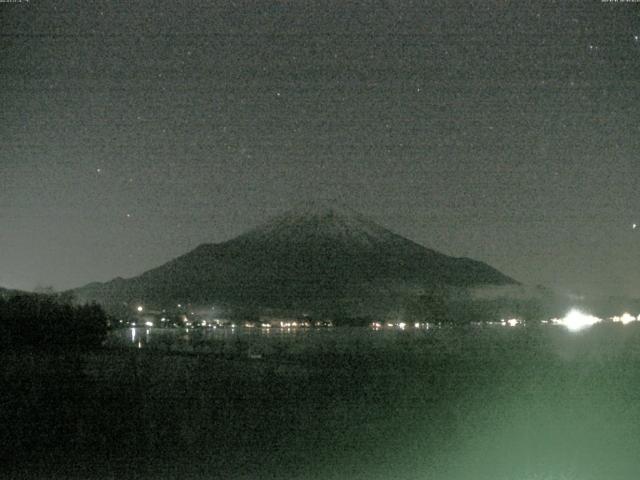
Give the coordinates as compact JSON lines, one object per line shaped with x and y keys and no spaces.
{"x":175,"y":338}
{"x":478,"y":403}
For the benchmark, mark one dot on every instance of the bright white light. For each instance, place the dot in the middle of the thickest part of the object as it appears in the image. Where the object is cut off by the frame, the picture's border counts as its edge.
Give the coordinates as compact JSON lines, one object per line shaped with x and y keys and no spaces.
{"x":416,"y":325}
{"x":624,"y":319}
{"x":133,"y":334}
{"x":140,"y":308}
{"x":402,"y":325}
{"x":149,"y":324}
{"x":512,"y":322}
{"x":576,"y":320}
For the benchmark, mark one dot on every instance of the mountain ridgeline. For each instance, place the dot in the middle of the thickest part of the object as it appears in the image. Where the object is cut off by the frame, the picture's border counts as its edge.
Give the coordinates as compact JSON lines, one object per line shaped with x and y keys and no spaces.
{"x":316,"y":259}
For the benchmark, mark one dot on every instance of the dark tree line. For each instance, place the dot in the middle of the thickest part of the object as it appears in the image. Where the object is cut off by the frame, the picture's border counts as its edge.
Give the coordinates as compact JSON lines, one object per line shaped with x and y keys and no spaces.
{"x":50,"y":322}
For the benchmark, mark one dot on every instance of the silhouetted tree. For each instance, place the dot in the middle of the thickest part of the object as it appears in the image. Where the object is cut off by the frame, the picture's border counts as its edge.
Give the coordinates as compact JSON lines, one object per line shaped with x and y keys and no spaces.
{"x":50,"y":322}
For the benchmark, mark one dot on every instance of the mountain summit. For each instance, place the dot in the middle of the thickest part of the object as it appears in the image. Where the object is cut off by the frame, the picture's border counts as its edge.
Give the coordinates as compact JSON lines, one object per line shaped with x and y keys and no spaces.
{"x":315,"y":221}
{"x":311,"y":258}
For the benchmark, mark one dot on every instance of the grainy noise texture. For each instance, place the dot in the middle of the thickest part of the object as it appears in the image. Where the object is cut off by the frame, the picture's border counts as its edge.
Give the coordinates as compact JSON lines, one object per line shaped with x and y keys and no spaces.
{"x":507,"y":132}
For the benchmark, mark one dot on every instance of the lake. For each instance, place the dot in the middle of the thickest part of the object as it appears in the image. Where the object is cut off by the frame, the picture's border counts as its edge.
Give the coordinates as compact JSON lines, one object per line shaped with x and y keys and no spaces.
{"x":207,"y":339}
{"x":467,"y":403}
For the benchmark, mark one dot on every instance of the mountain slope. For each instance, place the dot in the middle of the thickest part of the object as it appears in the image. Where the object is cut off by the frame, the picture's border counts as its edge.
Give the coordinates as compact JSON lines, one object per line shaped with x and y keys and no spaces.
{"x":312,"y":256}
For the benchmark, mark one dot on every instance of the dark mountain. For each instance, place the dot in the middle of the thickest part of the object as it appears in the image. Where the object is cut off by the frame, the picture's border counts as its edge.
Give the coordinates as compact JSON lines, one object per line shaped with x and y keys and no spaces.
{"x":310,"y":258}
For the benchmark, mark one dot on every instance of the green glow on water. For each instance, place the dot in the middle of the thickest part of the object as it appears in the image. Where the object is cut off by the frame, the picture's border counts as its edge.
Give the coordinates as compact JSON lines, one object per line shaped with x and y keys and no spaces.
{"x":451,"y":404}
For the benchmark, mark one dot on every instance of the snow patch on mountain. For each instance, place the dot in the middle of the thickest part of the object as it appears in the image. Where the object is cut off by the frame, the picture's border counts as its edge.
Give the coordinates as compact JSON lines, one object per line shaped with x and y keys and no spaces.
{"x":320,"y":221}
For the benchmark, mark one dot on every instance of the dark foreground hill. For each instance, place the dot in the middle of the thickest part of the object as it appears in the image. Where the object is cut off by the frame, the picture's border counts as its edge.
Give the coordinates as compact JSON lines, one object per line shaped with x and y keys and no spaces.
{"x":315,"y":258}
{"x":6,"y":292}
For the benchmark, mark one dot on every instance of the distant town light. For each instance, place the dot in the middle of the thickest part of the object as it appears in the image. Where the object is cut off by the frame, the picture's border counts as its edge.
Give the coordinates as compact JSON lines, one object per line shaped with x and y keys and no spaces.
{"x":624,"y":318}
{"x":140,"y":308}
{"x":576,"y":320}
{"x":149,"y":324}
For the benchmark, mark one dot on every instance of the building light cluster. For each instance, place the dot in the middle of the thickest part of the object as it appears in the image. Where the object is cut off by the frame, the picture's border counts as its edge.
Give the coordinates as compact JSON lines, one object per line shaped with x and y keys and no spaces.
{"x":399,"y":325}
{"x":512,"y":322}
{"x":625,"y":318}
{"x":576,"y":320}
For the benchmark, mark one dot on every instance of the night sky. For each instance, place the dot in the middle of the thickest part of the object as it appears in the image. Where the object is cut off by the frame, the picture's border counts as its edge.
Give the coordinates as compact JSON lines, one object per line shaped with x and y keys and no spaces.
{"x":508,"y":132}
